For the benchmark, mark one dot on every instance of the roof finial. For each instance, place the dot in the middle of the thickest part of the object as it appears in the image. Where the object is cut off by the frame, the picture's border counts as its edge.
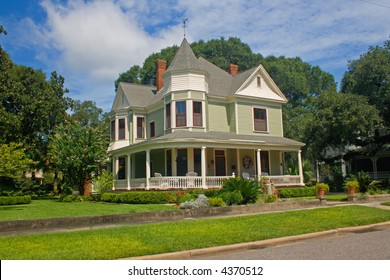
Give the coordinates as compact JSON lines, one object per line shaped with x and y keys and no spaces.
{"x":184,"y":26}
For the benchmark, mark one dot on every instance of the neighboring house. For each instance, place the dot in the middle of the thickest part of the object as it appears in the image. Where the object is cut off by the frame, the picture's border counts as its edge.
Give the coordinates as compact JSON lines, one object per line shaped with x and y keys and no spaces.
{"x":371,"y":159}
{"x":199,"y":121}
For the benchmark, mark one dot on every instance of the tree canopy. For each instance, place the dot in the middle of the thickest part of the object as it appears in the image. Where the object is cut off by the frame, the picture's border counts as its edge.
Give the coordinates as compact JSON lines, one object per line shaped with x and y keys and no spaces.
{"x":369,"y":76}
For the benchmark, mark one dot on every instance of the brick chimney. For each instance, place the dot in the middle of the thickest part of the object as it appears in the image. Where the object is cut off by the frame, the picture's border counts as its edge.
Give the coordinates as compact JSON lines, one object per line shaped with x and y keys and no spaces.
{"x":161,"y":66}
{"x":233,"y":69}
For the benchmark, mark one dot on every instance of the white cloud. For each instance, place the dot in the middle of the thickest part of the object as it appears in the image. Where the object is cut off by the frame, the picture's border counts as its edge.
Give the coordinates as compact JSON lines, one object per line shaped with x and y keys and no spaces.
{"x":91,"y":42}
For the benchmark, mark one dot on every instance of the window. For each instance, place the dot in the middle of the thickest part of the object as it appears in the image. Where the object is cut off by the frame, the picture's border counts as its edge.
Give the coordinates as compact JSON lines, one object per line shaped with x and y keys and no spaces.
{"x":121,"y":168}
{"x":113,"y":130}
{"x":168,"y":116}
{"x":140,"y":127}
{"x":121,"y":130}
{"x":260,"y":119}
{"x":181,"y":114}
{"x":258,"y":81}
{"x":152,"y":129}
{"x":197,"y":113}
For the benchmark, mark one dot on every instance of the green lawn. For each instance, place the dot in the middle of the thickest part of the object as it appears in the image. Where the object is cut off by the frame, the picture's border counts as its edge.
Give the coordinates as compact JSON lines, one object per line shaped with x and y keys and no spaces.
{"x":127,"y":241}
{"x":337,"y":197}
{"x":50,"y":208}
{"x":386,"y":203}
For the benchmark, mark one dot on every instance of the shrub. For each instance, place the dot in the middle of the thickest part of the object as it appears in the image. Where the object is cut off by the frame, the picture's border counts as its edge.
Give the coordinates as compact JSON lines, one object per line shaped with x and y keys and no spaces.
{"x":103,"y":183}
{"x":201,"y":202}
{"x":232,"y":198}
{"x":250,"y":190}
{"x":107,"y":197}
{"x":322,"y":186}
{"x":364,"y":180}
{"x":216,"y":202}
{"x":268,"y":198}
{"x":13,"y":200}
{"x":297,"y":192}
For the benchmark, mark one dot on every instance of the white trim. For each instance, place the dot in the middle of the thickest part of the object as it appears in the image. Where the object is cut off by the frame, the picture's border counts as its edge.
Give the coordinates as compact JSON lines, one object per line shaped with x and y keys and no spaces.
{"x":236,"y":115}
{"x":135,"y":127}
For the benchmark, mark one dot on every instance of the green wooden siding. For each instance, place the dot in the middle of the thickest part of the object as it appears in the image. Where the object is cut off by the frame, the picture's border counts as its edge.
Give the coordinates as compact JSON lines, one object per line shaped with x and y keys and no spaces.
{"x":157,"y":157}
{"x":158,"y":118}
{"x":275,"y":162}
{"x":245,"y":118}
{"x":218,"y":116}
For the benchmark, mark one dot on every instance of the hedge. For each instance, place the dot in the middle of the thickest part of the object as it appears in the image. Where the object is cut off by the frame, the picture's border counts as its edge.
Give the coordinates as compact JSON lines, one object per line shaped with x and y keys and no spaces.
{"x":149,"y":197}
{"x":12,"y":200}
{"x":297,"y":192}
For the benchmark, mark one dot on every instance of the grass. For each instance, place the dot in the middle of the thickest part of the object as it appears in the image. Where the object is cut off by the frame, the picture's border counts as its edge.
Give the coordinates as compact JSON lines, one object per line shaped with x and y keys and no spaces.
{"x":127,"y":241}
{"x":50,"y":208}
{"x":337,"y":197}
{"x":386,"y":203}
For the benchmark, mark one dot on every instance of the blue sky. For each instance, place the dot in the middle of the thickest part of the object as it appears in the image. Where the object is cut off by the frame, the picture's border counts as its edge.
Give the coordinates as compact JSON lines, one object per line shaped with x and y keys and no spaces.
{"x":90,"y":42}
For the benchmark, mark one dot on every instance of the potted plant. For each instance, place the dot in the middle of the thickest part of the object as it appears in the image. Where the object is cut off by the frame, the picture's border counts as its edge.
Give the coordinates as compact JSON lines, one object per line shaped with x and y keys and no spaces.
{"x":352,"y":186}
{"x":322,"y":188}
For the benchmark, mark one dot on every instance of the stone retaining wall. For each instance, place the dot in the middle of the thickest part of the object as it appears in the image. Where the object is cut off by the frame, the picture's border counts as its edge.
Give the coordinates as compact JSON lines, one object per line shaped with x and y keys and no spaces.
{"x":148,"y":217}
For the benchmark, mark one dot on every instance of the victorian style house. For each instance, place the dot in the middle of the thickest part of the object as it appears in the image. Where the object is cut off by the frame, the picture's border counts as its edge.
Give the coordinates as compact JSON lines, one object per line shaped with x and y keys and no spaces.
{"x":198,"y":126}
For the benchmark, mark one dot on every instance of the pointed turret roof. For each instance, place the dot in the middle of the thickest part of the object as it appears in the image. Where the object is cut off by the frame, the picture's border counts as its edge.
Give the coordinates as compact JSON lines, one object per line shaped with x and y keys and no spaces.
{"x":184,"y":59}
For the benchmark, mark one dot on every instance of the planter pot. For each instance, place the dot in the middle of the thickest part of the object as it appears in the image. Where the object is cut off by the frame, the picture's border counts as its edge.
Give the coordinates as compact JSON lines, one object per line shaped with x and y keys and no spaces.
{"x":351,"y":191}
{"x":321,"y":192}
{"x":276,"y":193}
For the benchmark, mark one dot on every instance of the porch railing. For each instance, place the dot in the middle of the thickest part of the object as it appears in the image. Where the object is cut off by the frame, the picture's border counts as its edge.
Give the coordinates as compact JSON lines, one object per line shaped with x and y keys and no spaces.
{"x":284,"y":180}
{"x":380,"y":175}
{"x":186,"y":182}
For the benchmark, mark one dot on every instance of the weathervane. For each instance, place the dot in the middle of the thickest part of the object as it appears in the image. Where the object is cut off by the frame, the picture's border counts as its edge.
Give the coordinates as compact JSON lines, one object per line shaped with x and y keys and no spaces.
{"x":184,"y":26}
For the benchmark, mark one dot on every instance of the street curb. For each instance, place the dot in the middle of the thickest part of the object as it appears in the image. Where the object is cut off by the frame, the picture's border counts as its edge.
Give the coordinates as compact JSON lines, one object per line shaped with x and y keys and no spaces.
{"x":213,"y":251}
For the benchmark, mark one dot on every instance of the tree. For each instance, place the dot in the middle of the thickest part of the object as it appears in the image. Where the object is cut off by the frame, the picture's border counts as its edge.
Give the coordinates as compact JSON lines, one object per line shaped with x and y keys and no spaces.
{"x":87,"y":113}
{"x":79,"y":152}
{"x":336,"y":121}
{"x":13,"y":161}
{"x":133,"y":75}
{"x":370,"y":76}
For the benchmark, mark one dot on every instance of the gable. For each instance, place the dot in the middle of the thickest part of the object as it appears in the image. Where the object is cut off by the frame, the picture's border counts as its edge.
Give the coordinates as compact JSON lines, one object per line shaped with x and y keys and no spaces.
{"x":120,"y":100}
{"x":260,"y":85}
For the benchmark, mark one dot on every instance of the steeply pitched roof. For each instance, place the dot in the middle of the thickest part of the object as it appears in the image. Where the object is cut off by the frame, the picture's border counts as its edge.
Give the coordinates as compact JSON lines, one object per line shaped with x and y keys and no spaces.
{"x":140,"y":95}
{"x":184,"y":58}
{"x":220,"y":83}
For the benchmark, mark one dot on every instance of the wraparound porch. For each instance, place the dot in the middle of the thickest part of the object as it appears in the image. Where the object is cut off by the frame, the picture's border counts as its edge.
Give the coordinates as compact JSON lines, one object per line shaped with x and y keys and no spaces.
{"x":212,"y":165}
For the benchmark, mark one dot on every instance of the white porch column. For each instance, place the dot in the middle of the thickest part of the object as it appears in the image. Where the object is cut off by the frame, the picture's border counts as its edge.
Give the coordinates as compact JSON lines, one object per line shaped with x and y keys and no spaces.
{"x":203,"y":167}
{"x":300,"y":167}
{"x":174,"y":163}
{"x":238,"y":163}
{"x":258,"y":162}
{"x":128,"y":171}
{"x":147,"y":168}
{"x":374,"y":167}
{"x":114,"y":172}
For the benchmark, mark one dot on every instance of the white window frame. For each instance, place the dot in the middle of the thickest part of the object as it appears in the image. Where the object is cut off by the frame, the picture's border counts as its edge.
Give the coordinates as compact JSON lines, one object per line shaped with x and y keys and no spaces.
{"x":253,"y":119}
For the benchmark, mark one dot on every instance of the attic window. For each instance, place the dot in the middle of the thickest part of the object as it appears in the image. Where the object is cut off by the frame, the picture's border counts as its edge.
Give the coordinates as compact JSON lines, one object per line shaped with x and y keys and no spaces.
{"x":258,"y":79}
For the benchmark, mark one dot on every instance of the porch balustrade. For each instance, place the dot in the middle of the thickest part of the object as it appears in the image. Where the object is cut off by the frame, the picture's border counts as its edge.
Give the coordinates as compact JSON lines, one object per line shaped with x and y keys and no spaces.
{"x":195,"y":182}
{"x":379,"y":175}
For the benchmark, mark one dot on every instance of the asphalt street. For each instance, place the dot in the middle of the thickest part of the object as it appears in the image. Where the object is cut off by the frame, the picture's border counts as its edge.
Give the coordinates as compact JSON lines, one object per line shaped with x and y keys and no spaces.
{"x":373,"y":245}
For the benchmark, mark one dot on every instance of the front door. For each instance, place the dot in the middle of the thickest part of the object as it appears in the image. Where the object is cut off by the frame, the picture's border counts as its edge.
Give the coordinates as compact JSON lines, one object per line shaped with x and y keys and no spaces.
{"x":220,"y":163}
{"x":181,"y":162}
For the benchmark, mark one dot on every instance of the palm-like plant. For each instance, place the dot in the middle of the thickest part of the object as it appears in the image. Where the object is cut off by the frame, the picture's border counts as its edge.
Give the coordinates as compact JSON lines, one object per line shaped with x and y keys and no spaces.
{"x":250,"y":190}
